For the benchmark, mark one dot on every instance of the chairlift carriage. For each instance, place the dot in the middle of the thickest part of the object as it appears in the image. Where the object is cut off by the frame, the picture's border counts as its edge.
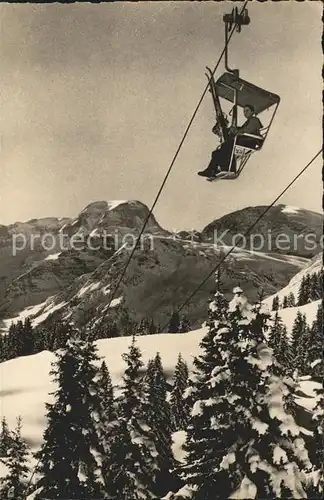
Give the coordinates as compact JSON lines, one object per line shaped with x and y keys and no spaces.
{"x":231,"y":88}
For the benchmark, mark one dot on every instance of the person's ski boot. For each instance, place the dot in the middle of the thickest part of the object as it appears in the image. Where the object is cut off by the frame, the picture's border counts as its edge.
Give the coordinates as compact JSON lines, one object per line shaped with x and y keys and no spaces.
{"x":204,"y":173}
{"x":210,"y":172}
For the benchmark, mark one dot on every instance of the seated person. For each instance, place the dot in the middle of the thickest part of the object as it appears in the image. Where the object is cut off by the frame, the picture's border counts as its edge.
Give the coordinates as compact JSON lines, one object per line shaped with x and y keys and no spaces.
{"x":221,"y":156}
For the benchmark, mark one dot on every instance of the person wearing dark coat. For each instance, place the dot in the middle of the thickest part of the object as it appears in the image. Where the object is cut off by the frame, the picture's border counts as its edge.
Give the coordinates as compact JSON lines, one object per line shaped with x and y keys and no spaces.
{"x":221,"y":156}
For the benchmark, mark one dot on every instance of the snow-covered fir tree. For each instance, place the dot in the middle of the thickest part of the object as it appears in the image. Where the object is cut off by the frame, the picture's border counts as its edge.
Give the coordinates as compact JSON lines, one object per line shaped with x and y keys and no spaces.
{"x":241,"y":440}
{"x":279,"y":343}
{"x":153,"y":328}
{"x":14,"y":483}
{"x":134,"y":465}
{"x":275,"y":333}
{"x":300,"y":342}
{"x":316,"y":489}
{"x":174,"y":323}
{"x":291,"y":300}
{"x":143,"y":328}
{"x":285,"y":302}
{"x":275,"y":303}
{"x":61,"y":332}
{"x":283,"y":352}
{"x":161,"y":422}
{"x":184,"y":325}
{"x":315,"y":346}
{"x":106,"y":393}
{"x":4,"y":354}
{"x":305,"y":290}
{"x":159,"y":419}
{"x":119,"y":471}
{"x":179,"y":405}
{"x":5,"y":438}
{"x":200,"y":440}
{"x":27,"y":347}
{"x":71,"y":455}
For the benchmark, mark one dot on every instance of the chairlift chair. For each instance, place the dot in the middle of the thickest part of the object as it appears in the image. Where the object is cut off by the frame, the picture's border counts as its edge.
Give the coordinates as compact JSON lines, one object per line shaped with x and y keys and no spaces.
{"x":241,"y":93}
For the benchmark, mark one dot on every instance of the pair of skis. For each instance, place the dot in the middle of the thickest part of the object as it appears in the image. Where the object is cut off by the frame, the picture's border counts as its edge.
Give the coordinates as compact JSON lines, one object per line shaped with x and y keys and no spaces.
{"x":221,"y":121}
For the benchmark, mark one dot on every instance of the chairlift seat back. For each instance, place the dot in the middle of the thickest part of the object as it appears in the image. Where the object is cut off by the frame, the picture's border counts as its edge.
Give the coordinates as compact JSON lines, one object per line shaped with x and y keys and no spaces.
{"x":247,"y":93}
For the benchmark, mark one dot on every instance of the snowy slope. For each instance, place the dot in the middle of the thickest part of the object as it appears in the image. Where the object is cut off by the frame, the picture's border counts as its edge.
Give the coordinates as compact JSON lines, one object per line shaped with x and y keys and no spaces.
{"x":37,"y":314}
{"x":314,"y":266}
{"x":26,"y":384}
{"x":25,"y":381}
{"x":288,"y":314}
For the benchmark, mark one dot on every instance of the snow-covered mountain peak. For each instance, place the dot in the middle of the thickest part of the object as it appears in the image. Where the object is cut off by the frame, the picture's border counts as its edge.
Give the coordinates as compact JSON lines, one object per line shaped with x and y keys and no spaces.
{"x":101,"y":216}
{"x":289,"y":209}
{"x":102,"y":206}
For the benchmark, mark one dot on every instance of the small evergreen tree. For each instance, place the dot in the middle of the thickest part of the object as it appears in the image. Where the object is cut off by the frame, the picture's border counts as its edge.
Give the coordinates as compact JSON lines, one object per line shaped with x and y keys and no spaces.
{"x":313,"y":293}
{"x":184,"y":325}
{"x":152,"y":327}
{"x":106,"y":393}
{"x":70,"y":457}
{"x":285,"y":302}
{"x":298,"y":329}
{"x":317,"y":488}
{"x":134,"y":455}
{"x":308,"y":288}
{"x":275,"y":333}
{"x":143,"y":328}
{"x":305,"y":290}
{"x":205,"y":362}
{"x":14,"y":484}
{"x":39,"y":340}
{"x":174,"y":323}
{"x":283,"y":352}
{"x":301,"y":292}
{"x":27,"y":346}
{"x":119,"y":470}
{"x":179,"y":406}
{"x":291,"y":300}
{"x":279,"y":343}
{"x":4,"y":354}
{"x":126,"y":324}
{"x":15,"y":340}
{"x":275,"y":303}
{"x":61,"y":332}
{"x":315,"y":346}
{"x":109,"y":331}
{"x":5,"y":438}
{"x":161,"y":422}
{"x":300,"y":342}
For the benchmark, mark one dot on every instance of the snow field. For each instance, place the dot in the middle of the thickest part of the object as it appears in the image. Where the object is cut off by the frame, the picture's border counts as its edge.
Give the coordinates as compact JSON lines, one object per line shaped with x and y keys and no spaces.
{"x":26,"y":383}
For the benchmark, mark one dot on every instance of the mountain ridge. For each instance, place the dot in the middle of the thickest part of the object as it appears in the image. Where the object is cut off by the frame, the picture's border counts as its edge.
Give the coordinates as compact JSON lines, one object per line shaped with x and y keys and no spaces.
{"x":164,"y":270}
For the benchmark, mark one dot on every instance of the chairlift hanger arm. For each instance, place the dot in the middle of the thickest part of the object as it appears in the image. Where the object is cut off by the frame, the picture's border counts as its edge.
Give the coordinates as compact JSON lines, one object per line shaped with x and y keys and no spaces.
{"x":238,"y":19}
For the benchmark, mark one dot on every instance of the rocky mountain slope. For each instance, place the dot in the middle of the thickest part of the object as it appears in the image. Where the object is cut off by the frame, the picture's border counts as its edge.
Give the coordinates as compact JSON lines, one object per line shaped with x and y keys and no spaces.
{"x":283,"y":229}
{"x":40,"y":258}
{"x":77,"y":282}
{"x":21,"y":247}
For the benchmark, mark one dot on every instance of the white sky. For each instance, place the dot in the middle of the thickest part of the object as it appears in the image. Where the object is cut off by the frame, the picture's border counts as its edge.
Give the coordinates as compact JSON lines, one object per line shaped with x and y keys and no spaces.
{"x":95,"y":100}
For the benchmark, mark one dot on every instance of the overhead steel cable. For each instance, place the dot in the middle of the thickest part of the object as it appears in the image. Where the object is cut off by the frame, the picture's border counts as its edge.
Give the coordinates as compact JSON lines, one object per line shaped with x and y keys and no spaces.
{"x":244,"y":235}
{"x":164,"y":182}
{"x":222,"y":260}
{"x":172,"y":162}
